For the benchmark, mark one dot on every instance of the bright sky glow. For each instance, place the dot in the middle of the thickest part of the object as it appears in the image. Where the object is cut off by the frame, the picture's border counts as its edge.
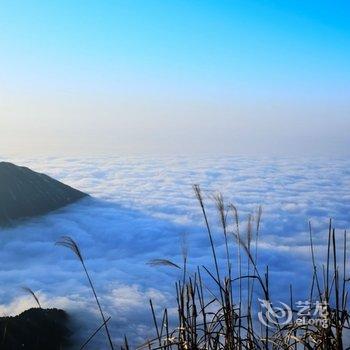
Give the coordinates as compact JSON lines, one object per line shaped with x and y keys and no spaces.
{"x":161,"y":76}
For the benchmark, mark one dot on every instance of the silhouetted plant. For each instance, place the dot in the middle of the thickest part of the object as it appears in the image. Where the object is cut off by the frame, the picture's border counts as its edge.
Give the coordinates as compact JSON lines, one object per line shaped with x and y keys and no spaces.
{"x":29,"y":291}
{"x":69,"y":243}
{"x":222,"y":317}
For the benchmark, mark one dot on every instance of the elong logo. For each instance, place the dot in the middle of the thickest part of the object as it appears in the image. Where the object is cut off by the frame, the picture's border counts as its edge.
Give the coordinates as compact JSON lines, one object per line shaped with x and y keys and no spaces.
{"x":312,"y":314}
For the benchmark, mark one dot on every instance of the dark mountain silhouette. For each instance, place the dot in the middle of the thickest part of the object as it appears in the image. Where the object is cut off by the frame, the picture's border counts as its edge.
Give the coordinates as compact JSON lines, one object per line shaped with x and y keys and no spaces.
{"x":35,"y":329}
{"x":26,"y":193}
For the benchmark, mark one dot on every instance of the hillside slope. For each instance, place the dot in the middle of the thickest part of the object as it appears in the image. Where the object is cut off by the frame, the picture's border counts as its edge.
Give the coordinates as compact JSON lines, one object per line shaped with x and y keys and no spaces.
{"x":26,"y":193}
{"x":35,"y":329}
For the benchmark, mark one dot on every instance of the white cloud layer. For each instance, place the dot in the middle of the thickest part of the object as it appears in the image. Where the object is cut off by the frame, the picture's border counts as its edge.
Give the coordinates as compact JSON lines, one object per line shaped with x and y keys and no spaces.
{"x":139,"y":210}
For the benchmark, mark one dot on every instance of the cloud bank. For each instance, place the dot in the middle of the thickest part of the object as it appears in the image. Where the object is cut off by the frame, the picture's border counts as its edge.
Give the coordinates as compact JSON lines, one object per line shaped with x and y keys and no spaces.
{"x":140,"y":209}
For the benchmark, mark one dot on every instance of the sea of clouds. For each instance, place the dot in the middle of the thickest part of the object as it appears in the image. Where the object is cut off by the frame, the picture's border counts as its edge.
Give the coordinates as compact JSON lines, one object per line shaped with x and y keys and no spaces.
{"x":141,"y":208}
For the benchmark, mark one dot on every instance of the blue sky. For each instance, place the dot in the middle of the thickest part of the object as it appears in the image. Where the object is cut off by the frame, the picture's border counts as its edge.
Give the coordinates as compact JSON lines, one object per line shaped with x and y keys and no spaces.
{"x":175,"y":76}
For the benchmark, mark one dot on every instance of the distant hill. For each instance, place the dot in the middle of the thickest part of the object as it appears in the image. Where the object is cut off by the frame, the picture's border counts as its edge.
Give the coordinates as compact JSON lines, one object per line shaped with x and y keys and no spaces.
{"x":26,"y":193}
{"x":35,"y":329}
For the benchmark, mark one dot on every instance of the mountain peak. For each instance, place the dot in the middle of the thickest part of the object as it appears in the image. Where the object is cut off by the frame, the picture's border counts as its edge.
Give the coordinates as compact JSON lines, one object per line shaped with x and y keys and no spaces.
{"x":26,"y":193}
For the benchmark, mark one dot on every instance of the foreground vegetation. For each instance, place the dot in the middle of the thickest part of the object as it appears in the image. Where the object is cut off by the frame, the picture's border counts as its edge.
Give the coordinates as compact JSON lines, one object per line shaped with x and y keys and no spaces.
{"x":217,"y":309}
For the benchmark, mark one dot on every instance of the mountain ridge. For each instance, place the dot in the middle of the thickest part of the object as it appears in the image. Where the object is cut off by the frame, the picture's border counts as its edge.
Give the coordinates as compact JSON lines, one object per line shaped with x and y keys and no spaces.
{"x":25,"y":193}
{"x":35,"y":329}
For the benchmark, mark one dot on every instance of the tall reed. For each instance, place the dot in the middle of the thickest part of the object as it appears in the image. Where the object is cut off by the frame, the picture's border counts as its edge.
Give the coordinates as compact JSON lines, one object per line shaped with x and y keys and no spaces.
{"x":217,"y":310}
{"x":69,"y":243}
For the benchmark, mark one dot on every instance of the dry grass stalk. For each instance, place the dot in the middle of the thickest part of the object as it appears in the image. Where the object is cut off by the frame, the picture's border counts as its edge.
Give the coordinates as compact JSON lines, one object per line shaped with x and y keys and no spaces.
{"x":69,"y":243}
{"x":215,"y":318}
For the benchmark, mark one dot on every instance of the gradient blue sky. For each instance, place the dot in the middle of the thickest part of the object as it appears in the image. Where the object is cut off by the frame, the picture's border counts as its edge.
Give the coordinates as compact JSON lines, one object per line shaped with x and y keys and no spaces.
{"x":158,"y":76}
